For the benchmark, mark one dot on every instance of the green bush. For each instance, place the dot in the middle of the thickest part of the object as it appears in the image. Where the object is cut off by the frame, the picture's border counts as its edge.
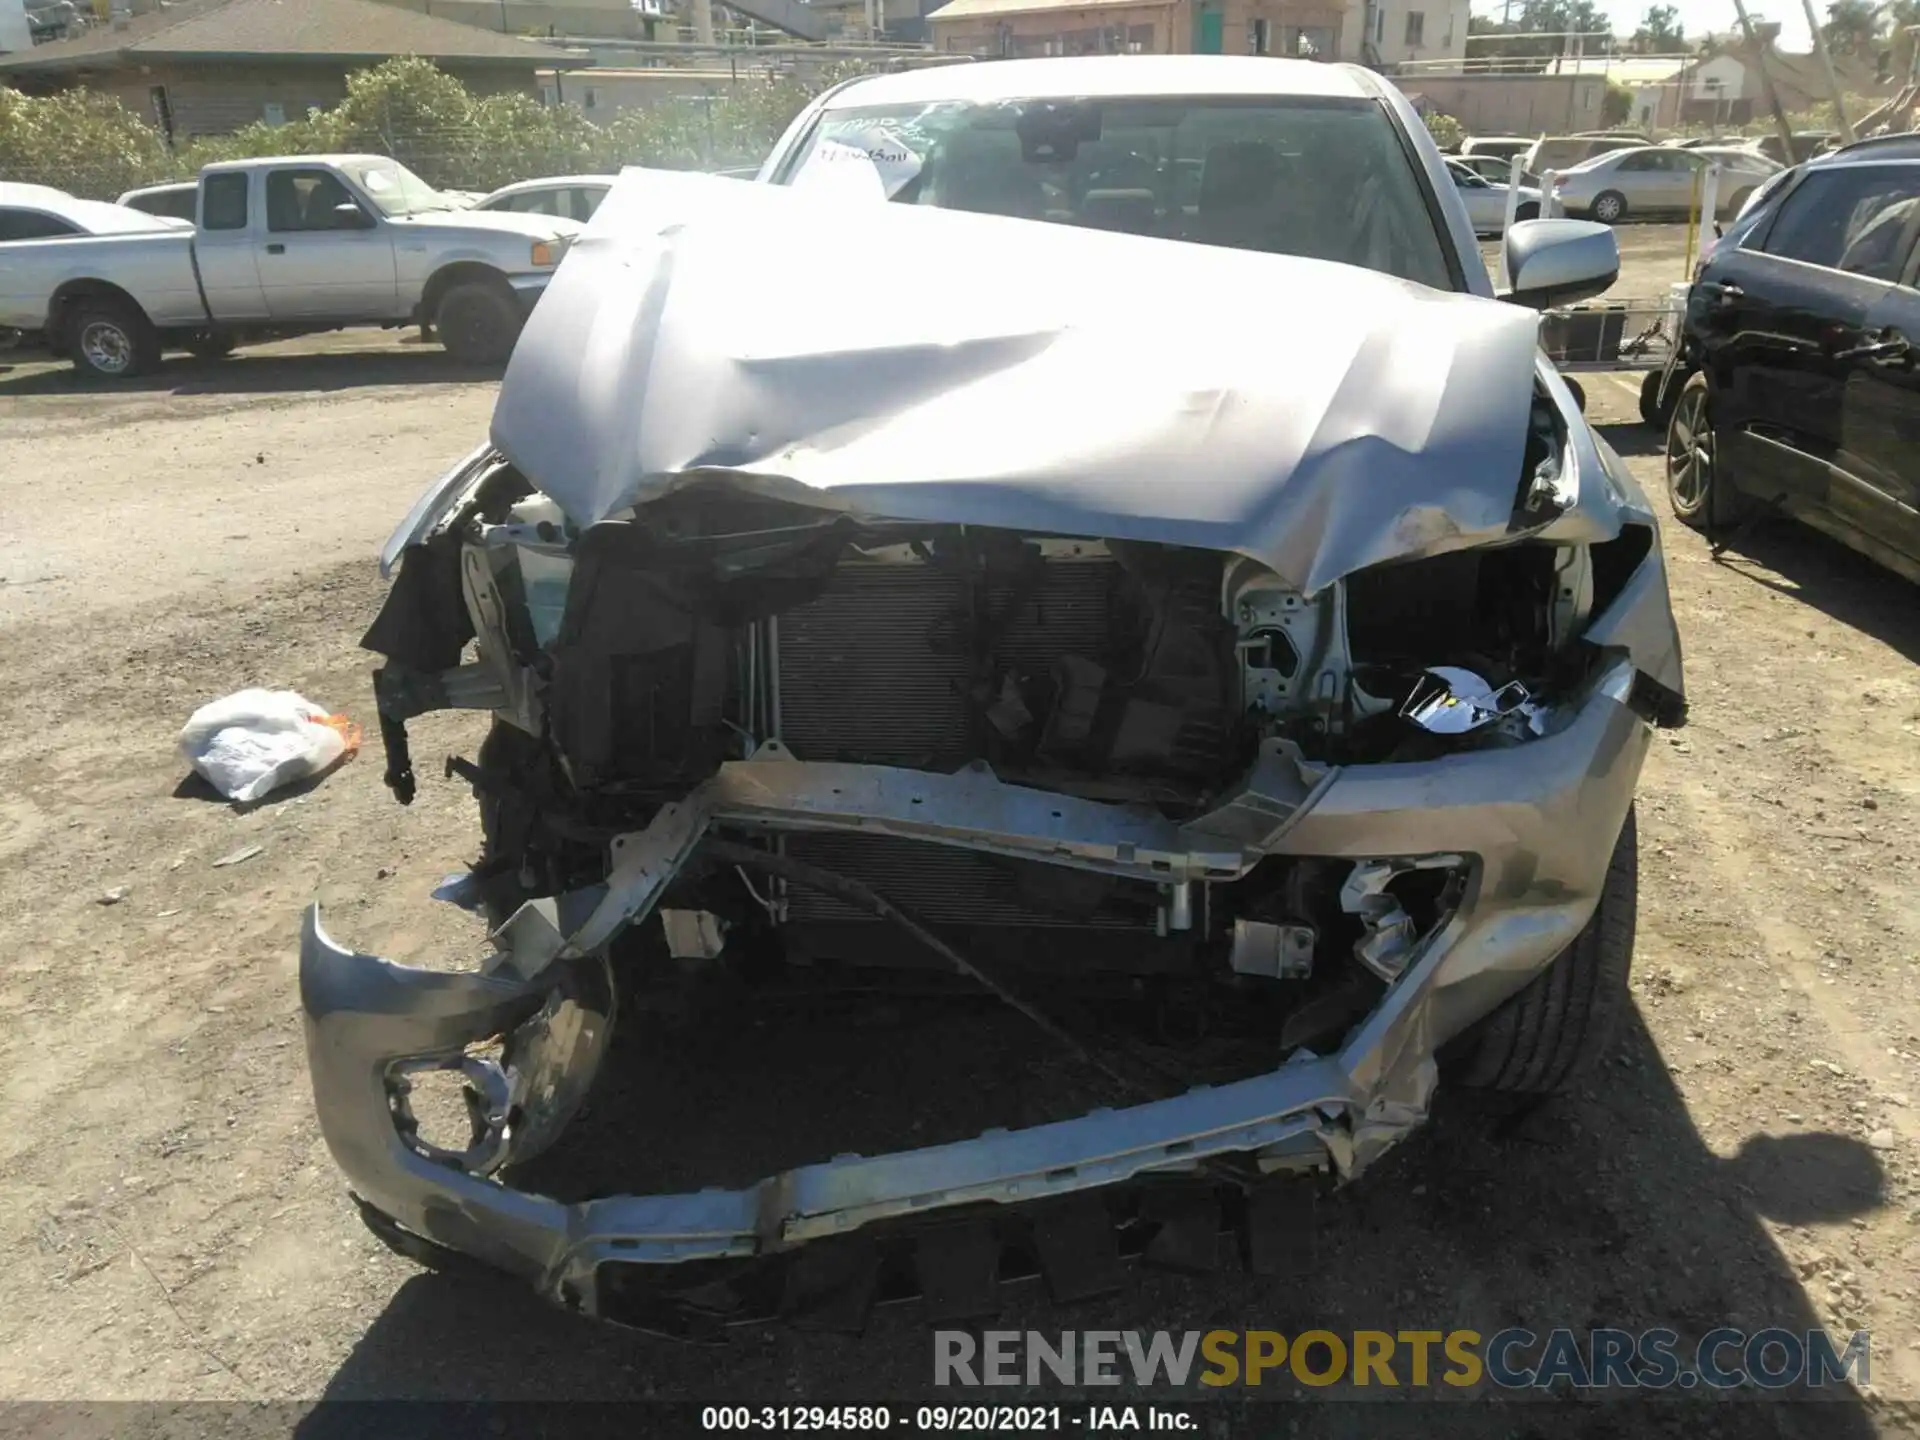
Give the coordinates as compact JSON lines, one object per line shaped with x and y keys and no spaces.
{"x":1446,"y":131}
{"x":93,"y":145}
{"x":79,"y":138}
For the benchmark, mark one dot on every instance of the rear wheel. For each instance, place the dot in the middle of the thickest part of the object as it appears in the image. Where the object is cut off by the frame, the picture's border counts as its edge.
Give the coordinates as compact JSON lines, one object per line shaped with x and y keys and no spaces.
{"x":1526,"y":211}
{"x":1609,"y":207}
{"x":510,"y":758}
{"x":1544,"y":1037}
{"x":1738,"y":203}
{"x":1697,"y":485}
{"x":110,"y":339}
{"x":478,"y":321}
{"x":1653,"y":410}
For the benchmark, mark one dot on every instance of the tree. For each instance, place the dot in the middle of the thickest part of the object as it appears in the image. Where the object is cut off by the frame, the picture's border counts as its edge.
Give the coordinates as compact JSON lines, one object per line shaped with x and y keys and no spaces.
{"x":1446,"y":131}
{"x":93,"y":145}
{"x":1852,"y":28}
{"x":1900,"y":15}
{"x":1616,"y":107}
{"x":78,"y":141}
{"x":1660,"y":32}
{"x":1542,"y":30}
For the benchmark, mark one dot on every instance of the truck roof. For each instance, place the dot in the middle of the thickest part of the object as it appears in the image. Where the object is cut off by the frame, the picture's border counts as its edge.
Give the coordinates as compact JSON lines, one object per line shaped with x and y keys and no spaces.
{"x":308,"y":160}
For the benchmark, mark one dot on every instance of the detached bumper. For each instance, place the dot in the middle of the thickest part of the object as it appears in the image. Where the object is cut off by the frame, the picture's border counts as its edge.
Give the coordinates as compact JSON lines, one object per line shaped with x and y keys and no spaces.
{"x":1535,"y":823}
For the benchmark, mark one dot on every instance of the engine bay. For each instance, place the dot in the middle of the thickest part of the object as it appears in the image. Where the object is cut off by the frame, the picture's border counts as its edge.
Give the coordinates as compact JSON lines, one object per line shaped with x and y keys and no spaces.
{"x":627,"y":663}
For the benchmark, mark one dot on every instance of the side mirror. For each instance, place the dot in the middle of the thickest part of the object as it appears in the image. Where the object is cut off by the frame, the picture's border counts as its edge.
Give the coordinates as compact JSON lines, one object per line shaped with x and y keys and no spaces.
{"x":349,"y":216}
{"x":1556,"y":262}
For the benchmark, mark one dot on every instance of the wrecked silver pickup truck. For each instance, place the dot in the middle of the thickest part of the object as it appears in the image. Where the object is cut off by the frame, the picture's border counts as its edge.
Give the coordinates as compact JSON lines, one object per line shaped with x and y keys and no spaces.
{"x":1268,"y":625}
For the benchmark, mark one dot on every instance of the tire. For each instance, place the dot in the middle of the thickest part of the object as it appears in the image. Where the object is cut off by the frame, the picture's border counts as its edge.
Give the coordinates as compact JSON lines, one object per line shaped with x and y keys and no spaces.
{"x":1652,"y":411}
{"x":478,"y":321}
{"x":1609,"y":207}
{"x":1542,"y":1039}
{"x":1526,"y":211}
{"x":1738,"y":203}
{"x":110,"y":339}
{"x":1697,"y":486}
{"x":510,"y":754}
{"x":205,"y":346}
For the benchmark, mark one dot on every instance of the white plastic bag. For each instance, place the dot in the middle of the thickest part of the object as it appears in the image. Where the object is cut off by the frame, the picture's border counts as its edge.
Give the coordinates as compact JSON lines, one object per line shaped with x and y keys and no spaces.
{"x":253,"y":742}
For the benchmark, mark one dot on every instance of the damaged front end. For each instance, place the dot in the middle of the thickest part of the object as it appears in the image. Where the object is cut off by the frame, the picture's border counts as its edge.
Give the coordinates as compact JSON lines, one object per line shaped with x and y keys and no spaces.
{"x":1371,"y":815}
{"x":1337,"y":738}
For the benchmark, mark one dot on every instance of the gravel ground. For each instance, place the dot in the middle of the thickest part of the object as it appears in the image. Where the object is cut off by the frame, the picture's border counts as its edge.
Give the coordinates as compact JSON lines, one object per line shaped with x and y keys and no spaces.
{"x":177,"y":1231}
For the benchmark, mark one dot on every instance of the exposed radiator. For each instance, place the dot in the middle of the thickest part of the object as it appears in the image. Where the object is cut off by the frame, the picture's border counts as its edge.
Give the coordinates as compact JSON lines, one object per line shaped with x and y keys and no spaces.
{"x":876,"y":670}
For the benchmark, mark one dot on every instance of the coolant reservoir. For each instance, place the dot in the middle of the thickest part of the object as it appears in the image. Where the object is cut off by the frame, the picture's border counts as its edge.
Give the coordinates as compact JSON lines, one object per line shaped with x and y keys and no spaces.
{"x":537,"y":510}
{"x":540,"y":546}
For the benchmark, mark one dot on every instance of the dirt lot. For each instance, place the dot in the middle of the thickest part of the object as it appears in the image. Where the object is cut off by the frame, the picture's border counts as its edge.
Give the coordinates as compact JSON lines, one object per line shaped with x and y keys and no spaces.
{"x":176,"y":1229}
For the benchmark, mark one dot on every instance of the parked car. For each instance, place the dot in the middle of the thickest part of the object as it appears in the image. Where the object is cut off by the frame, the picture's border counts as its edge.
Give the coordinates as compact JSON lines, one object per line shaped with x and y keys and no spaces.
{"x":177,"y":201}
{"x":1106,"y":637}
{"x":285,"y":246}
{"x":1658,"y":180}
{"x":1496,"y":169}
{"x":1806,"y":144}
{"x":1797,"y":386}
{"x":1563,"y":152}
{"x":40,"y":212}
{"x":1486,"y":202}
{"x":1498,"y":147}
{"x":574,"y":196}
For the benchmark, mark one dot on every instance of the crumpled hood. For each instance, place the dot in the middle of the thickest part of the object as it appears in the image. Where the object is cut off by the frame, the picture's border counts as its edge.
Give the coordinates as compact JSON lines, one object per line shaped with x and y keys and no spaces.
{"x":919,"y":364}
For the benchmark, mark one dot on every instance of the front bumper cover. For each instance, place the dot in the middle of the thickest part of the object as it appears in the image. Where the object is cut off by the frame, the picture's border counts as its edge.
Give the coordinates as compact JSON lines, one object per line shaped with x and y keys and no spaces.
{"x":1536,"y":823}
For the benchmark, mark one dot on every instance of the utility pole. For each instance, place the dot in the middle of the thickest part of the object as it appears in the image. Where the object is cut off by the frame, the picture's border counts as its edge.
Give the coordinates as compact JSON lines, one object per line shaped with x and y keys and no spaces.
{"x":1766,"y":81}
{"x":1826,"y":68}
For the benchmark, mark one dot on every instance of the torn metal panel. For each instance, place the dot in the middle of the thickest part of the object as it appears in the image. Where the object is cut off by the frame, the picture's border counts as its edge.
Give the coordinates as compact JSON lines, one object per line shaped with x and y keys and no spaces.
{"x":1536,"y":820}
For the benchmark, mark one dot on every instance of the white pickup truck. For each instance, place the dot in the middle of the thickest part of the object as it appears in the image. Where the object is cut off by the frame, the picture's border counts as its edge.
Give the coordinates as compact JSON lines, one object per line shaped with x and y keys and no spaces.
{"x":283,"y":247}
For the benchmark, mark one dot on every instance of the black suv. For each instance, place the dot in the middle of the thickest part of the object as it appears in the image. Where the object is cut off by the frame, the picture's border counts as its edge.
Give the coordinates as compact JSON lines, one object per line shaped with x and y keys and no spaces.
{"x":1800,"y":336}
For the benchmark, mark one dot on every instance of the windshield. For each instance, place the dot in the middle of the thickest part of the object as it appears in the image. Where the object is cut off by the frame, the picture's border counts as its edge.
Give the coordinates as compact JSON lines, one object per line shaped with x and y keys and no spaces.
{"x":395,"y":189}
{"x":1325,"y":179}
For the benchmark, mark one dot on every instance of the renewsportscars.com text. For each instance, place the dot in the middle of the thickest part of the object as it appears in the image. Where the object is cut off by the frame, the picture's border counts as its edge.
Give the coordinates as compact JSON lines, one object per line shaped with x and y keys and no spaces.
{"x":1513,"y":1359}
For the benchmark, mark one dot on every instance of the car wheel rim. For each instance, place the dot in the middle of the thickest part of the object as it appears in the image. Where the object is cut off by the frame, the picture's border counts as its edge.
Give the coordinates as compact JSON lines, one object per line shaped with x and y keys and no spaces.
{"x":1690,"y":453}
{"x":107,"y":347}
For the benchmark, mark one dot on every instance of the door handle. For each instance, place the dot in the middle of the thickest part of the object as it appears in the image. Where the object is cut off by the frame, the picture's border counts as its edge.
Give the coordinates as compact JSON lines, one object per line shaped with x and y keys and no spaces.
{"x":1885,"y":347}
{"x":1725,"y":289}
{"x":276,"y":249}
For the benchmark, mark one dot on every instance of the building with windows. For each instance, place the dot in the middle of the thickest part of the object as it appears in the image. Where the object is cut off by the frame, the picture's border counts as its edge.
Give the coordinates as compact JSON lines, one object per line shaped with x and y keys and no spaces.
{"x":1308,"y":28}
{"x":1393,"y":32}
{"x":211,"y":66}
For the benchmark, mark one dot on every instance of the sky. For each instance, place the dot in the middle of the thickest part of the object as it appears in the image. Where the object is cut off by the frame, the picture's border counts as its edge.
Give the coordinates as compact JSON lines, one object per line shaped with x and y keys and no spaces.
{"x":1702,"y":16}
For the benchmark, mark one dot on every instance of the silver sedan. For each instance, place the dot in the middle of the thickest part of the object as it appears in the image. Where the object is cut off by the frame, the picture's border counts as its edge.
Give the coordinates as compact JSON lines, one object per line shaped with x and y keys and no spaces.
{"x":1658,"y":179}
{"x":1486,"y":201}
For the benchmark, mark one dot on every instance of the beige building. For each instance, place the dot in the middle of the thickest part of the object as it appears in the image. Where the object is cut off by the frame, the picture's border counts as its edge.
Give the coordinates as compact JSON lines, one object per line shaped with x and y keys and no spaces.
{"x":587,"y":19}
{"x":601,"y":92}
{"x":1138,"y":27}
{"x":1513,"y":104}
{"x":211,"y":67}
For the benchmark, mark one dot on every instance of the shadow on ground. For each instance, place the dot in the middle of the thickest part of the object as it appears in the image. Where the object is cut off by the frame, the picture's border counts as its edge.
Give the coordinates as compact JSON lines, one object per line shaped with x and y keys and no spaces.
{"x":1603,"y":1208}
{"x":251,"y":373}
{"x":1635,"y":438}
{"x":1788,"y":557}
